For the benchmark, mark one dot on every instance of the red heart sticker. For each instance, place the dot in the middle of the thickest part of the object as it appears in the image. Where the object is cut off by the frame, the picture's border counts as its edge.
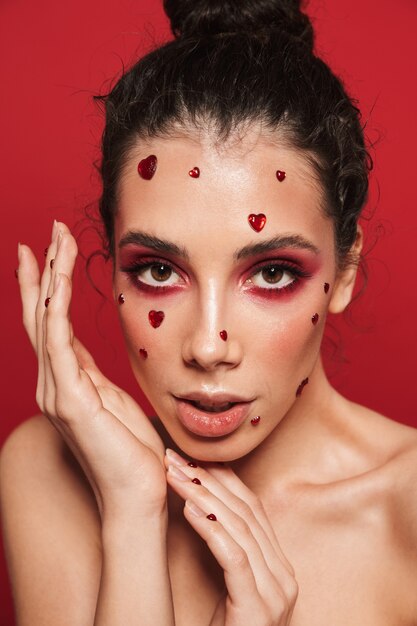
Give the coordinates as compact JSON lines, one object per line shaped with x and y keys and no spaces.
{"x":156,"y":318}
{"x":257,"y":221}
{"x":195,"y":172}
{"x":280,"y":175}
{"x":147,"y":167}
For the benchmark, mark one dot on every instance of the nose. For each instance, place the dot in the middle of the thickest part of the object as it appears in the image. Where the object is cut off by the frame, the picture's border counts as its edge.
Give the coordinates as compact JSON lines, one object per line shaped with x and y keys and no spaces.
{"x":206,"y":346}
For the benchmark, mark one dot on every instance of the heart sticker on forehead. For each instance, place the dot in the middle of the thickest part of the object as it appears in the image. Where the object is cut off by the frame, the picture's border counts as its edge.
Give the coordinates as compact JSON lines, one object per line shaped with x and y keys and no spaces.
{"x":156,"y":318}
{"x":147,"y":167}
{"x":257,"y":221}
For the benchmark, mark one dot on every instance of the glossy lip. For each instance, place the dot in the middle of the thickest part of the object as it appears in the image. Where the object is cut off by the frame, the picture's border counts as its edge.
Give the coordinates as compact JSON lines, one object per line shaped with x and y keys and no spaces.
{"x":207,"y":424}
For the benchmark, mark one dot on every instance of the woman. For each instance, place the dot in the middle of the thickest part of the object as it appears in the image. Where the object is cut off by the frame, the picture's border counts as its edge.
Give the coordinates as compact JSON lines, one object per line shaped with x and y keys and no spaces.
{"x":234,"y":173}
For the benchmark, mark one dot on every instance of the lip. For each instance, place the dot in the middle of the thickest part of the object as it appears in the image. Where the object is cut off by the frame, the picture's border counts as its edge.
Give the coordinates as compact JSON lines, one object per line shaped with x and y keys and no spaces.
{"x":208,"y":424}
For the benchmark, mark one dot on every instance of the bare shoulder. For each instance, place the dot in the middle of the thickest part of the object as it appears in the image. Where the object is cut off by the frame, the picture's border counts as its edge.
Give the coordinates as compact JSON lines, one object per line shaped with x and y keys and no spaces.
{"x":51,"y":527}
{"x":392,"y":476}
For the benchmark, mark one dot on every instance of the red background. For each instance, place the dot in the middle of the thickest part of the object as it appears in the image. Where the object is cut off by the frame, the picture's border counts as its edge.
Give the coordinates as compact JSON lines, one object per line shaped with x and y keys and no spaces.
{"x":55,"y":56}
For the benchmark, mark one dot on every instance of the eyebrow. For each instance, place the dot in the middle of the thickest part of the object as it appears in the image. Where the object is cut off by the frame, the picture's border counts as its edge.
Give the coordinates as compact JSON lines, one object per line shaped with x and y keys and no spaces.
{"x":282,"y":241}
{"x":168,"y":247}
{"x":154,"y":243}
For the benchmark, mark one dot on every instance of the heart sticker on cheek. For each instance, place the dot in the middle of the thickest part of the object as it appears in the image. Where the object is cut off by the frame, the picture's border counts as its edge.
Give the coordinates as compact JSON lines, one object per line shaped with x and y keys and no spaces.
{"x":147,"y":167}
{"x":257,"y":221}
{"x":156,"y":318}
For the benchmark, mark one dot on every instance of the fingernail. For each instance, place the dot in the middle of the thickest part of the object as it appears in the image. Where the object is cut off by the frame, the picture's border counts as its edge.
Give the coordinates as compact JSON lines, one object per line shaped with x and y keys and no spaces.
{"x":194,"y":509}
{"x":177,"y":473}
{"x":54,"y":230}
{"x":175,"y":458}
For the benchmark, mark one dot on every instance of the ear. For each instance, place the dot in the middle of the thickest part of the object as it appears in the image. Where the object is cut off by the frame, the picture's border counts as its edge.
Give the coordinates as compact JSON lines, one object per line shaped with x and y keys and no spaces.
{"x":345,"y":280}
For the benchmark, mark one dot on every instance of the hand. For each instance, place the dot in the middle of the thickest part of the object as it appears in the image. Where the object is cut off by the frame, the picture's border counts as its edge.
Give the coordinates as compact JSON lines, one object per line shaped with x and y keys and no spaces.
{"x":260,"y":586}
{"x":113,"y":440}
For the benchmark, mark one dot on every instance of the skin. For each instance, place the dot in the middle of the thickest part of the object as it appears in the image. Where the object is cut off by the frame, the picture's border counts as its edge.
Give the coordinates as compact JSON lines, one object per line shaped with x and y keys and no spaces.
{"x":316,"y":521}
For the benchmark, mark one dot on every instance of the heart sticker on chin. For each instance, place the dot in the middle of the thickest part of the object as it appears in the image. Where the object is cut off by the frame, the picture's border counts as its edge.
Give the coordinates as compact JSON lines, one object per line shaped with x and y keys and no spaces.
{"x":257,"y":221}
{"x":147,"y":167}
{"x":156,"y":318}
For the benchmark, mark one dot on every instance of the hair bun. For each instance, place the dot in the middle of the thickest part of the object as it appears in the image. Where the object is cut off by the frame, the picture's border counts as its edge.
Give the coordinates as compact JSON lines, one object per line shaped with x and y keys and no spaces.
{"x":193,"y":18}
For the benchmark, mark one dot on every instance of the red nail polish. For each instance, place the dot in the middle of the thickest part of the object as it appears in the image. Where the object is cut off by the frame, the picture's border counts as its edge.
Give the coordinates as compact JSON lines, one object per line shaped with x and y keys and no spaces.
{"x":301,"y":387}
{"x":192,"y":464}
{"x":47,"y":301}
{"x":212,"y":517}
{"x":196,"y":481}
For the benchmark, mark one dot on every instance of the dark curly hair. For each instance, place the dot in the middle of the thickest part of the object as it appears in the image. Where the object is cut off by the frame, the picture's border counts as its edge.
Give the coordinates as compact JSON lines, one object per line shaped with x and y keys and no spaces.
{"x":235,"y":62}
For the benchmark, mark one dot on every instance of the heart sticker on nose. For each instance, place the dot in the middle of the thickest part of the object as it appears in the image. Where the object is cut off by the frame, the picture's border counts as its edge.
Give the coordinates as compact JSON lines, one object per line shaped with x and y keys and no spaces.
{"x":257,"y":221}
{"x":156,"y":318}
{"x":147,"y":167}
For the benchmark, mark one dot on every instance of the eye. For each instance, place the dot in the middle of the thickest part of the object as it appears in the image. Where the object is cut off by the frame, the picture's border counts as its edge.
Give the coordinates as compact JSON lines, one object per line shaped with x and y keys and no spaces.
{"x":273,"y":276}
{"x":155,"y":274}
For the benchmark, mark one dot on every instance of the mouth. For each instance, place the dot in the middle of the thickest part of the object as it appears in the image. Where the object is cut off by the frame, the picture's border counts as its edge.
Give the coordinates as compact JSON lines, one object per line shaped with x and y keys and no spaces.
{"x":211,"y":408}
{"x":211,"y":416}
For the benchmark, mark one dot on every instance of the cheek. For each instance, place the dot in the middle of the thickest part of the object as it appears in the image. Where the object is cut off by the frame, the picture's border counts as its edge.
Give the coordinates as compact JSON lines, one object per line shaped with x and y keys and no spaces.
{"x":149,"y":336}
{"x":286,"y":339}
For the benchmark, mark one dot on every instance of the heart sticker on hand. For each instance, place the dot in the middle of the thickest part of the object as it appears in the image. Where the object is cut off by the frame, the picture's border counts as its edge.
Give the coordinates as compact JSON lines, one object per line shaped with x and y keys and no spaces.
{"x":257,"y":221}
{"x":156,"y":318}
{"x":147,"y":167}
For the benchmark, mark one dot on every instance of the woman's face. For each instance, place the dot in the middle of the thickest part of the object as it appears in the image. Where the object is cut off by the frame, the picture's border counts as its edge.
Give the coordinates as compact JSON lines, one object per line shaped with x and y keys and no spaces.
{"x":186,"y":252}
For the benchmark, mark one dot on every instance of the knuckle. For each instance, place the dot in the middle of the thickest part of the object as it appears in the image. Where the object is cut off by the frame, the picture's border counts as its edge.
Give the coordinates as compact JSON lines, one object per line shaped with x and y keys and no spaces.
{"x":238,"y":558}
{"x":39,"y":399}
{"x":243,"y":509}
{"x":292,"y":590}
{"x":242,"y":528}
{"x":281,"y":605}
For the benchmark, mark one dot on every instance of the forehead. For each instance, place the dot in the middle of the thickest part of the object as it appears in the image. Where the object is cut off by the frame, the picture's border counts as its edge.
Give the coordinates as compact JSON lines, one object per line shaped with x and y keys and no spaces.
{"x":237,"y":178}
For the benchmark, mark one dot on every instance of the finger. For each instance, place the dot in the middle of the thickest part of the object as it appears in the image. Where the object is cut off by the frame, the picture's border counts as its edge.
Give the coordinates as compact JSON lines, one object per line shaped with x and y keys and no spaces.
{"x":230,"y":556}
{"x":245,"y":603}
{"x":28,"y":277}
{"x":64,"y":363}
{"x":223,"y":483}
{"x":270,"y":573}
{"x":40,"y":312}
{"x":227,"y":478}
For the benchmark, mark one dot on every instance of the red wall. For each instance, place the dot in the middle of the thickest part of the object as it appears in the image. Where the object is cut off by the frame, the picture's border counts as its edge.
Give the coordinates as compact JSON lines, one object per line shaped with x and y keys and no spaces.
{"x":56,"y":55}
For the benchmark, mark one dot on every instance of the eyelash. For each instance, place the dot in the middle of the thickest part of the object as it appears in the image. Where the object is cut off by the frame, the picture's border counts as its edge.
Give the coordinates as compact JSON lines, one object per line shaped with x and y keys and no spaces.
{"x":134,"y":269}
